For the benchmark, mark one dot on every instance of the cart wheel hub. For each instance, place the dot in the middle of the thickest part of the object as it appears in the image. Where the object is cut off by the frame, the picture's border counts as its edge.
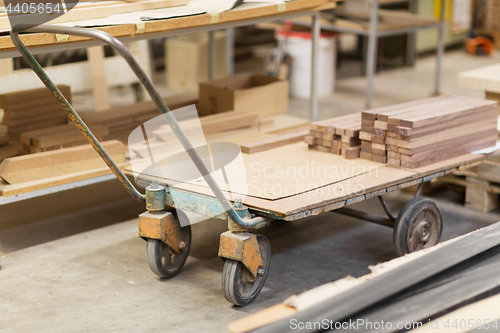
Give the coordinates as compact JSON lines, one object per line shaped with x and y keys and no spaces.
{"x":423,"y":231}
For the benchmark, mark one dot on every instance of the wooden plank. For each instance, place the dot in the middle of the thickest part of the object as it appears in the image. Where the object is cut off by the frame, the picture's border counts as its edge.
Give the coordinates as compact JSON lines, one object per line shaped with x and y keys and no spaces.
{"x":379,"y":159}
{"x":9,"y":151}
{"x":446,"y":152}
{"x":483,"y":78}
{"x":464,"y":109}
{"x":66,"y":145}
{"x":384,"y":112}
{"x":327,"y":143}
{"x":378,"y":146}
{"x":489,"y":171}
{"x":324,"y":149}
{"x":15,"y":170}
{"x":100,"y":91}
{"x":159,"y":26}
{"x":57,"y":139}
{"x":393,"y":155}
{"x":485,"y":135}
{"x":311,"y":140}
{"x":36,"y":185}
{"x":378,"y":139}
{"x":4,"y":139}
{"x":455,"y":277}
{"x":407,"y":131}
{"x":351,"y":152}
{"x":365,"y":136}
{"x":273,"y":142}
{"x":351,"y":140}
{"x":16,"y":131}
{"x":477,"y":197}
{"x":26,"y":137}
{"x":262,"y":318}
{"x":379,"y":124}
{"x":366,"y":156}
{"x":84,"y":11}
{"x":32,"y":94}
{"x":130,"y":113}
{"x":57,"y":116}
{"x":394,"y":162}
{"x":379,"y":152}
{"x":366,"y":147}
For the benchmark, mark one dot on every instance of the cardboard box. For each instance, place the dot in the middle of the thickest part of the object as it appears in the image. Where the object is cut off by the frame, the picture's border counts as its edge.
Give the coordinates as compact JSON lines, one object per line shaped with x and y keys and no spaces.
{"x":263,"y":94}
{"x":186,"y":60}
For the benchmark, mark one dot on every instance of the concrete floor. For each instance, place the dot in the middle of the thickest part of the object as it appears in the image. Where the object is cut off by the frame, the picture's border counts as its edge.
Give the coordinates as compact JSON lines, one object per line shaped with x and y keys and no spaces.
{"x":73,"y":262}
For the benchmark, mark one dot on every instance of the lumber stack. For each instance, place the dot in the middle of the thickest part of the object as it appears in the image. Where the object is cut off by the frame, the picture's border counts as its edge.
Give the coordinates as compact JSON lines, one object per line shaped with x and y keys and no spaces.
{"x":58,"y":137}
{"x":274,"y":142}
{"x":61,"y":162}
{"x":32,"y":109}
{"x":339,"y":135}
{"x":423,"y":132}
{"x":127,"y":118}
{"x":164,"y":141}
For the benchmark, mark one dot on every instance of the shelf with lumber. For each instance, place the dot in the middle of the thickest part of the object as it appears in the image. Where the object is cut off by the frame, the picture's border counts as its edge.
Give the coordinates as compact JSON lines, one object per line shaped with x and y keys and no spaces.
{"x":388,"y":20}
{"x":158,"y":28}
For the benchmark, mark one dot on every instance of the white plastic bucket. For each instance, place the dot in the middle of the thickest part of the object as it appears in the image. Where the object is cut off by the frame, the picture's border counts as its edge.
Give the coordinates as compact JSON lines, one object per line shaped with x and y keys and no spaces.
{"x":298,"y":45}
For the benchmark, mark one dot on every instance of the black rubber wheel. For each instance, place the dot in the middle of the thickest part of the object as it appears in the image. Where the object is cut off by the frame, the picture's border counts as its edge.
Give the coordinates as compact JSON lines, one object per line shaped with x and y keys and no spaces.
{"x":164,"y":261}
{"x":238,"y":285}
{"x":419,"y":226}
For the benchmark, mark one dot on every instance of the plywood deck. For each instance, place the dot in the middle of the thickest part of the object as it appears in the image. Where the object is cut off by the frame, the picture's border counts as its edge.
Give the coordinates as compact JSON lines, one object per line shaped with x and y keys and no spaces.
{"x":312,"y":197}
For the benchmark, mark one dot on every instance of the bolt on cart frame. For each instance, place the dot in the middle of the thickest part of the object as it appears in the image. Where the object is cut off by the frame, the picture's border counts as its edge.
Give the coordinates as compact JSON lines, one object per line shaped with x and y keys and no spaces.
{"x":246,"y":255}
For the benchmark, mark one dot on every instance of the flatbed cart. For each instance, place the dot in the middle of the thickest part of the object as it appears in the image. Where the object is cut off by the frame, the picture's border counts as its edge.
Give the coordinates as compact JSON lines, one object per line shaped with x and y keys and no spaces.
{"x":246,"y":255}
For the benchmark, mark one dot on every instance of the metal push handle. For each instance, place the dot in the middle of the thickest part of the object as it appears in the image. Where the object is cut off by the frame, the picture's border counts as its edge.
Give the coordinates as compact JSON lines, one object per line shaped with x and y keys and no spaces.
{"x":155,"y":96}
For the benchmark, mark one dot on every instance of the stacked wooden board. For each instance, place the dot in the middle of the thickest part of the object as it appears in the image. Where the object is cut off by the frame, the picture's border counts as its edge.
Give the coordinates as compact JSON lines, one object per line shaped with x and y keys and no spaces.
{"x":32,"y":109}
{"x":56,"y":163}
{"x":126,"y":118}
{"x":57,"y":137}
{"x":427,"y":131}
{"x":339,"y":135}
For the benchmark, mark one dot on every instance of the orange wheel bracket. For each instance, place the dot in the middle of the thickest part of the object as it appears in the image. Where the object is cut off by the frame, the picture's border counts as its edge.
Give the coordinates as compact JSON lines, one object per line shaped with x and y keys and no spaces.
{"x":243,"y":247}
{"x":163,"y":226}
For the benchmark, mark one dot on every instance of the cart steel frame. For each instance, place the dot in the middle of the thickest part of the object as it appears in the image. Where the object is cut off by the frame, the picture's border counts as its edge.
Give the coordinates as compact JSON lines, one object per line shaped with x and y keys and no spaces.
{"x":246,"y":255}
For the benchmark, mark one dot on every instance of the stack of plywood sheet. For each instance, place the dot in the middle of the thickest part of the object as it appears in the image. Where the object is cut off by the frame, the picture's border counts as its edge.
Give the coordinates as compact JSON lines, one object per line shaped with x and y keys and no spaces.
{"x":427,"y":131}
{"x":338,"y":135}
{"x":58,"y":137}
{"x":32,"y":109}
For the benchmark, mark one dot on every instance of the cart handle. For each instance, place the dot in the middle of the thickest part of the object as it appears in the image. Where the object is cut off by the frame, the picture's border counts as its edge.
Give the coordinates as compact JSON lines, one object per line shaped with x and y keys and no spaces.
{"x":155,"y":96}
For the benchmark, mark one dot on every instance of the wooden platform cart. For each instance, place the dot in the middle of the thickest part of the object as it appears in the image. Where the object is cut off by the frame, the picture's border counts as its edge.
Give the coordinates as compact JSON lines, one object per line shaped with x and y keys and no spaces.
{"x":247,"y":255}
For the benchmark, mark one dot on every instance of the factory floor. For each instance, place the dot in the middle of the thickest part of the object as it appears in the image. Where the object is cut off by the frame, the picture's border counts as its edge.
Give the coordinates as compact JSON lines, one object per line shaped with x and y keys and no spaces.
{"x":73,"y":262}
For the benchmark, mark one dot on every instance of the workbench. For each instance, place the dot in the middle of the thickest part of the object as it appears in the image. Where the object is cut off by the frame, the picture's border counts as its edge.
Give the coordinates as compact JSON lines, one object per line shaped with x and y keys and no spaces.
{"x":385,"y":23}
{"x":484,"y":78}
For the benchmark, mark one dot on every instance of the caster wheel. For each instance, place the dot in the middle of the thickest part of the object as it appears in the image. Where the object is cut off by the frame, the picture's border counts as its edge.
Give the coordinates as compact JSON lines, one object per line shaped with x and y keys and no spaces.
{"x":164,"y":261}
{"x":238,"y":284}
{"x":418,"y":226}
